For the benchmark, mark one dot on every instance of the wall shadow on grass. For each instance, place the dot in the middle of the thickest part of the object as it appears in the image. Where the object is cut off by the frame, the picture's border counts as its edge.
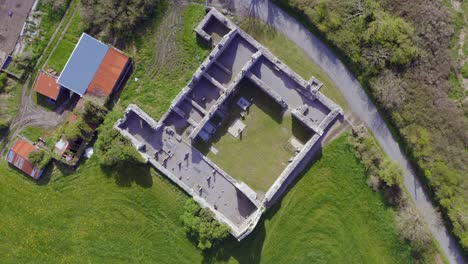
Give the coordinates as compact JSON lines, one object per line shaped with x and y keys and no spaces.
{"x":127,"y":173}
{"x":250,"y":249}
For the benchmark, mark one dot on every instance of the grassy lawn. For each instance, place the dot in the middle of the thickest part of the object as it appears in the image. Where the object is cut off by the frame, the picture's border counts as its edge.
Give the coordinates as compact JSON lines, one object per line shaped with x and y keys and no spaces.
{"x":32,"y":133}
{"x":132,"y":215}
{"x":329,"y":216}
{"x":64,"y":49}
{"x":293,"y":56}
{"x":266,"y":135}
{"x":87,"y":217}
{"x":9,"y":102}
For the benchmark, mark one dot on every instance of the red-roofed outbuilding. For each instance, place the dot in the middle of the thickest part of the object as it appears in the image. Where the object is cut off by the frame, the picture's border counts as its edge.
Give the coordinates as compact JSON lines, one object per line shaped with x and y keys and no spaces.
{"x":18,"y":157}
{"x":47,"y":85}
{"x":109,"y":73}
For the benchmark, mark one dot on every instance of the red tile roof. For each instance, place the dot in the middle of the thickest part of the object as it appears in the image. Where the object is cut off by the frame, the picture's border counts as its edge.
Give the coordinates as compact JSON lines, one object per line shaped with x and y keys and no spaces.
{"x":18,"y":157}
{"x":47,"y":85}
{"x":108,"y":73}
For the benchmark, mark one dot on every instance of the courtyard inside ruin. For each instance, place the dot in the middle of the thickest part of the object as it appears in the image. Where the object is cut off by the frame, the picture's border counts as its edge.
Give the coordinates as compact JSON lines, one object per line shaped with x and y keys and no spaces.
{"x":239,"y":85}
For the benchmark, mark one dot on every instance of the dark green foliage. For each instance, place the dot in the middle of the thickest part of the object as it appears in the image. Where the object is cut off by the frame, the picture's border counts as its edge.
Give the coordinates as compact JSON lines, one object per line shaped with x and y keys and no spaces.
{"x":370,"y":37}
{"x":3,"y":82}
{"x":200,"y":225}
{"x":93,"y":114}
{"x":39,"y":158}
{"x":464,"y":70}
{"x":77,"y":130}
{"x":400,"y":52}
{"x":114,"y":150}
{"x":114,"y":18}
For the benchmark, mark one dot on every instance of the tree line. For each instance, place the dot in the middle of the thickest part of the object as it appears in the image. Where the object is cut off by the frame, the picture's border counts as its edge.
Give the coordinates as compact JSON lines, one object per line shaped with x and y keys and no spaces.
{"x":399,"y":50}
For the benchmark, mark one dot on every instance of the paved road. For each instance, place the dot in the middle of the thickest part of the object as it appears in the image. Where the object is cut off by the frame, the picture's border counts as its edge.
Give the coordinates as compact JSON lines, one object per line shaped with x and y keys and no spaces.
{"x":359,"y":104}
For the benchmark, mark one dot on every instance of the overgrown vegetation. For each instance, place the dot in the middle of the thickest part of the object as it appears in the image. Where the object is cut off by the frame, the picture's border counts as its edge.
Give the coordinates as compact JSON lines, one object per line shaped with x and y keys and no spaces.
{"x":3,"y":82}
{"x":117,"y":19}
{"x":39,"y":158}
{"x":400,"y":52}
{"x":386,"y":175}
{"x":10,"y":92}
{"x":115,"y":151}
{"x":201,"y":227}
{"x":52,"y":12}
{"x":78,"y":130}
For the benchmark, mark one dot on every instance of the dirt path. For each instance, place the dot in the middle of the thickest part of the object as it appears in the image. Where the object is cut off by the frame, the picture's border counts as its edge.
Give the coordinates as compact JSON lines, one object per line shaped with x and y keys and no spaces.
{"x":360,"y":104}
{"x":29,"y":113}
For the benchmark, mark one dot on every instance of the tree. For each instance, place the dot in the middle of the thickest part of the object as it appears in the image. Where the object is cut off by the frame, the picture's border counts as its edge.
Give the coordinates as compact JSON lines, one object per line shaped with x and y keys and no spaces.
{"x":93,"y":114}
{"x":116,"y":19}
{"x":114,"y":150}
{"x":200,"y":225}
{"x":77,"y":130}
{"x":389,"y":90}
{"x":412,"y":228}
{"x":391,"y":173}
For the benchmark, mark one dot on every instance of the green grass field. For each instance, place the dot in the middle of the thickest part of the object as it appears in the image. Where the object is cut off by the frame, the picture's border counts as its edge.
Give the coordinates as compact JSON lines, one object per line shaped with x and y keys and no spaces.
{"x":329,"y":216}
{"x":265,"y":136}
{"x":96,"y":216}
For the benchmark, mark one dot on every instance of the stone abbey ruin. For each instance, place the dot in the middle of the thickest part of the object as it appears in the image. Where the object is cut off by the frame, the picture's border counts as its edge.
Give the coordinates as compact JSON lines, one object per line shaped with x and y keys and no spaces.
{"x":203,"y":105}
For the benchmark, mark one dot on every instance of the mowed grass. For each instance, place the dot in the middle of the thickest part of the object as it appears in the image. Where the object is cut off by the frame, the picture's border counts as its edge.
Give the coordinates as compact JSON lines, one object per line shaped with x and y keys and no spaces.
{"x":293,"y":56}
{"x":328,"y":216}
{"x":64,"y":49}
{"x":263,"y":150}
{"x":87,"y":218}
{"x":132,"y":215}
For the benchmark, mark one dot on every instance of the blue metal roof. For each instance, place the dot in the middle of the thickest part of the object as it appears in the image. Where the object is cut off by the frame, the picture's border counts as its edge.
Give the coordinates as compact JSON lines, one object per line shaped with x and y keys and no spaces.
{"x":83,"y":64}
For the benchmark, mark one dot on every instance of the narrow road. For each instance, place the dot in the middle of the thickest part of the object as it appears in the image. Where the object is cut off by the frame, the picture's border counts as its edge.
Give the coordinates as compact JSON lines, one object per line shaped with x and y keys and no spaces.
{"x":359,"y":103}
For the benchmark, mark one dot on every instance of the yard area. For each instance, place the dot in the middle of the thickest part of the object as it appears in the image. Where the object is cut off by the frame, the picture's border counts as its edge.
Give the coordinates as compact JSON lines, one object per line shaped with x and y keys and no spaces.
{"x":263,"y":150}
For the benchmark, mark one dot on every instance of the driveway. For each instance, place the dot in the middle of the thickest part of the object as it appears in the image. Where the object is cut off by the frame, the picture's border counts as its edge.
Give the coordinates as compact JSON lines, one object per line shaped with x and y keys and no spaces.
{"x":359,"y":103}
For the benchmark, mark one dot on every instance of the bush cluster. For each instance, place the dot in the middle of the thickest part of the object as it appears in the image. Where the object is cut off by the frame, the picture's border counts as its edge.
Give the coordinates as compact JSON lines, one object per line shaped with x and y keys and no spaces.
{"x":39,"y":158}
{"x":200,"y":226}
{"x":400,"y":51}
{"x":387,"y":176}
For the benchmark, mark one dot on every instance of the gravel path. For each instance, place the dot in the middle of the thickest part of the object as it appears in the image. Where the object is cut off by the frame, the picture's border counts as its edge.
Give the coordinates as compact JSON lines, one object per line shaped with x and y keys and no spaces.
{"x":359,"y":103}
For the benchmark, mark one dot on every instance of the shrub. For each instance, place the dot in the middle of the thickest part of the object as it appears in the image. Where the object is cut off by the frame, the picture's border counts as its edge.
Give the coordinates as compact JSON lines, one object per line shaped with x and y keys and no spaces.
{"x":200,"y":225}
{"x":39,"y":158}
{"x":77,"y":130}
{"x":3,"y":82}
{"x":93,"y":114}
{"x":115,"y":150}
{"x":464,"y":70}
{"x":413,"y":229}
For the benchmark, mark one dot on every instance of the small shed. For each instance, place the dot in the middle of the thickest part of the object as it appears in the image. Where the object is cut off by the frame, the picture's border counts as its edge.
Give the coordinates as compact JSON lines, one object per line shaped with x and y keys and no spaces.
{"x":18,"y":157}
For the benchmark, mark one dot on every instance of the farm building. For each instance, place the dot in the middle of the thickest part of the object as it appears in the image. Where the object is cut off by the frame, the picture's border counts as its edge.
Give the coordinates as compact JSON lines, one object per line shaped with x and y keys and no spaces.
{"x":93,"y":69}
{"x":18,"y":157}
{"x":46,"y":84}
